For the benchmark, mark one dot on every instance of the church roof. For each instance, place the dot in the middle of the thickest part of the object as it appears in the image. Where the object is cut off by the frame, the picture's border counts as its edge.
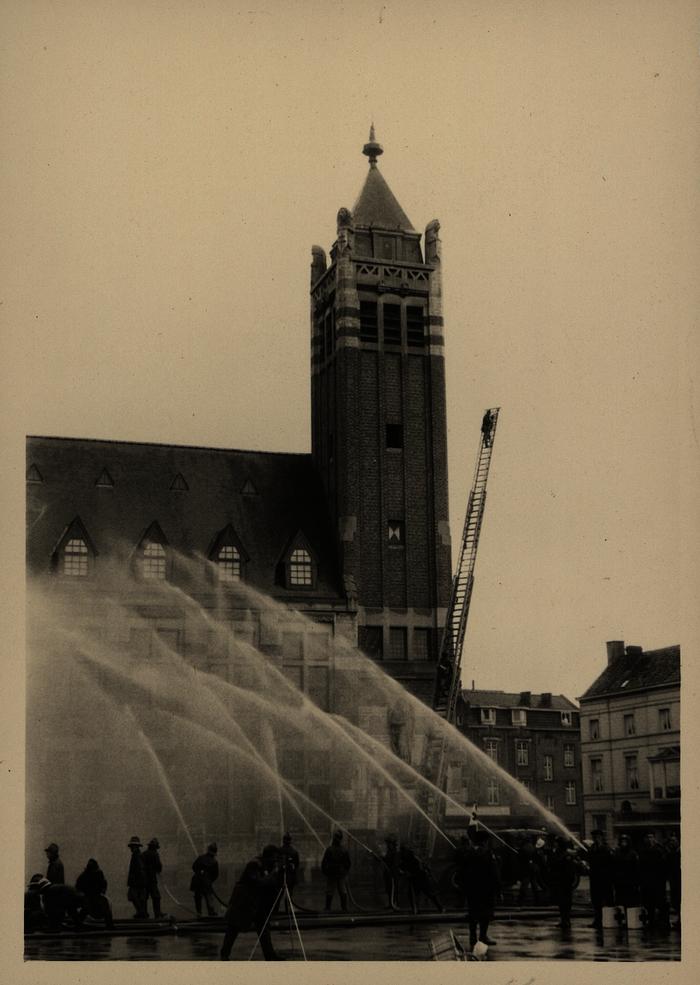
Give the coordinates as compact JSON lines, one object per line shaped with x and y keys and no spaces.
{"x":632,"y":671}
{"x":377,"y":205}
{"x":193,"y":493}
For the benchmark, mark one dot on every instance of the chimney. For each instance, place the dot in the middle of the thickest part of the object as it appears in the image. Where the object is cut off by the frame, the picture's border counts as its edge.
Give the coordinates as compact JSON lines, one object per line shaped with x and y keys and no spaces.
{"x":546,"y":700}
{"x":473,"y":687}
{"x":615,"y":648}
{"x":633,"y":651}
{"x":525,"y":697}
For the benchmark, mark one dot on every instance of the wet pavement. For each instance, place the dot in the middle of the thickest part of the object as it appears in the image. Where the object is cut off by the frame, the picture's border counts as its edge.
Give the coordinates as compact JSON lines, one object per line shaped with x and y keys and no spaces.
{"x":516,"y":940}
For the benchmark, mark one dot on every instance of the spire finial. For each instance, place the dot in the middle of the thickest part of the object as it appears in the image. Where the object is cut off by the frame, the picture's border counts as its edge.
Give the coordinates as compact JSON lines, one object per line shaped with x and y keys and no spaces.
{"x":372,"y":149}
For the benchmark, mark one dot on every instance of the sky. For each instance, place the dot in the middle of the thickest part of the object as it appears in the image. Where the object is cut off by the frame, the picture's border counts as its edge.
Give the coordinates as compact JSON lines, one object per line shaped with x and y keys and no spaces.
{"x":168,"y":166}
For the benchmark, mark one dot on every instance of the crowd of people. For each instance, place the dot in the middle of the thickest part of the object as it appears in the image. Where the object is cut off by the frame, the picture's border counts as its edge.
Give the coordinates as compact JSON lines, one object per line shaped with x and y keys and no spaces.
{"x":622,"y":877}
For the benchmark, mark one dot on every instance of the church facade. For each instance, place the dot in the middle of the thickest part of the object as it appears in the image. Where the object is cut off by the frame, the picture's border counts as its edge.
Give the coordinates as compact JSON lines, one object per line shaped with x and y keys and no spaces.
{"x":354,"y":535}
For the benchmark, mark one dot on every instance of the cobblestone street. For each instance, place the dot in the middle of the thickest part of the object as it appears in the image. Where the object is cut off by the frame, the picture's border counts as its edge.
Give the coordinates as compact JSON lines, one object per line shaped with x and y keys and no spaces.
{"x":518,"y":940}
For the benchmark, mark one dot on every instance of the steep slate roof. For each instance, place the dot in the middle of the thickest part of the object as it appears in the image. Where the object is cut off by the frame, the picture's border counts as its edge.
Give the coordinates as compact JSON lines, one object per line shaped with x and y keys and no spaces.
{"x":506,"y":699}
{"x":377,"y":205}
{"x":652,"y":668}
{"x":289,"y":499}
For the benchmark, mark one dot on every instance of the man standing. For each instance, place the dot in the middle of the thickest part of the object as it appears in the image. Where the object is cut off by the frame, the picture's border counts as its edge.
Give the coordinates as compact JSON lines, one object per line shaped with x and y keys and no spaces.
{"x":673,"y":871}
{"x":335,"y":866}
{"x":600,"y":861}
{"x":481,"y":883}
{"x":527,"y":858}
{"x":54,"y":872}
{"x":562,"y":875}
{"x":652,"y":881}
{"x":253,"y":899}
{"x":152,"y":867}
{"x":136,"y":879}
{"x":289,"y":858}
{"x":626,"y":873}
{"x":391,"y":871}
{"x":420,"y":879}
{"x":206,"y":872}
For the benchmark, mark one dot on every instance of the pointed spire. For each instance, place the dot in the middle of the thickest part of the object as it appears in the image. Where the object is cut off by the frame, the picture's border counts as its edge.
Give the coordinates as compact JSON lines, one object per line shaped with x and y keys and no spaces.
{"x":372,"y":149}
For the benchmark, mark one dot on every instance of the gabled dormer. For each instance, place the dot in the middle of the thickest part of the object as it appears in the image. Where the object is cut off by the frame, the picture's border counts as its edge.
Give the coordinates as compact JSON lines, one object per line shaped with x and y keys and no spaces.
{"x":75,"y":552}
{"x":152,"y":559}
{"x":298,"y":567}
{"x":228,"y":555}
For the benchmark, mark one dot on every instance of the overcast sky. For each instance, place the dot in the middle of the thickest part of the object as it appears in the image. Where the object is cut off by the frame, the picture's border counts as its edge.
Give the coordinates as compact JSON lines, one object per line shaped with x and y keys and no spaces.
{"x":171,"y":164}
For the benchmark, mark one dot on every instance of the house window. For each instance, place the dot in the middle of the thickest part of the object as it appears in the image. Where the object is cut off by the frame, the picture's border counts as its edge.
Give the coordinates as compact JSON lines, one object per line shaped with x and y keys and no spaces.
{"x":368,"y":321}
{"x":549,"y":802}
{"x":415,"y":333}
{"x":566,"y":718}
{"x":548,"y":768}
{"x":628,"y":724}
{"x":597,"y":775}
{"x":397,"y":643}
{"x":229,"y":562}
{"x":293,"y":645}
{"x":521,"y":753}
{"x":491,"y":748}
{"x":370,"y":640}
{"x":75,"y":558}
{"x":421,"y":643}
{"x":492,"y":795}
{"x":666,"y":776}
{"x":525,"y":783}
{"x":392,"y":324}
{"x":665,"y":719}
{"x":318,"y":686}
{"x":171,"y":639}
{"x":570,"y":792}
{"x":600,"y":822}
{"x":631,"y":772}
{"x":488,"y":716}
{"x":594,"y":728}
{"x":395,"y":533}
{"x":140,"y":642}
{"x":568,"y":754}
{"x":519,"y":716}
{"x":300,"y":572}
{"x":394,"y":436}
{"x":153,"y":561}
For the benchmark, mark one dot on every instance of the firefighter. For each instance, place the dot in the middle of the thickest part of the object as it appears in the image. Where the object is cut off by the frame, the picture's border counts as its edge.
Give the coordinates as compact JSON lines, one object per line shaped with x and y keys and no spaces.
{"x":335,"y":866}
{"x":152,"y":867}
{"x":600,"y":859}
{"x":206,"y":872}
{"x":136,"y":879}
{"x":253,"y":899}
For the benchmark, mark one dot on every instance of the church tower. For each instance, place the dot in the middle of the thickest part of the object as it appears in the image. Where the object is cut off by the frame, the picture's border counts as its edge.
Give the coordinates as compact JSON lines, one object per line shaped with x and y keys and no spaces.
{"x":379,"y":436}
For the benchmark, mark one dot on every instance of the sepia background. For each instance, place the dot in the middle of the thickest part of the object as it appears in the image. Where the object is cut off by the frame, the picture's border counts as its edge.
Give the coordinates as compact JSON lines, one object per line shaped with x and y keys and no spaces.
{"x":168,"y":165}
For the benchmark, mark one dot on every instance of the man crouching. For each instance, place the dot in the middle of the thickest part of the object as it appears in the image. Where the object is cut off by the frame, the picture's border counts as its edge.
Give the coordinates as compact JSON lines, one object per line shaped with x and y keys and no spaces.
{"x":253,"y":901}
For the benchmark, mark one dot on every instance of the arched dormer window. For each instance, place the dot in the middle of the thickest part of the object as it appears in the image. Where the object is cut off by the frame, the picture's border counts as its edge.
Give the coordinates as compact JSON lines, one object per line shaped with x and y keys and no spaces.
{"x":300,"y":567}
{"x":75,"y":558}
{"x":228,"y":555}
{"x":152,"y":555}
{"x":229,"y":561}
{"x":154,"y":561}
{"x":299,"y":563}
{"x":74,"y":554}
